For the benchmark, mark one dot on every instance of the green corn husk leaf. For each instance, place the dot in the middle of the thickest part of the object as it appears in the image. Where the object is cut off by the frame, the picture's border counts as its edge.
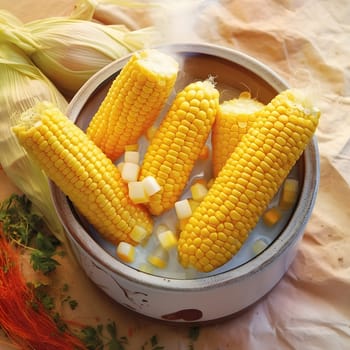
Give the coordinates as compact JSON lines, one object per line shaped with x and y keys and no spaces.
{"x":70,"y":50}
{"x":21,"y":86}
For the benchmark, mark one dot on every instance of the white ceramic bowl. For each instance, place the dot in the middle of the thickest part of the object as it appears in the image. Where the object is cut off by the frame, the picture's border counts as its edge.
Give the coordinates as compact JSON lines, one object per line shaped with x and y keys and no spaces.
{"x":226,"y":291}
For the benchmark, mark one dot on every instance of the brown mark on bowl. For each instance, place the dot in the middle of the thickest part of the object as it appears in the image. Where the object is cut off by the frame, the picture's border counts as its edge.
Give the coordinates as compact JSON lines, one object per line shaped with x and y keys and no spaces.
{"x":185,"y":314}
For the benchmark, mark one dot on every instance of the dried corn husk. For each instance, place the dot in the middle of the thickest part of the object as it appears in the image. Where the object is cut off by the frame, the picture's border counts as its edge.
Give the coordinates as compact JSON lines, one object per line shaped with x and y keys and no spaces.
{"x":133,"y":14}
{"x":177,"y":21}
{"x":70,"y":50}
{"x":21,"y":86}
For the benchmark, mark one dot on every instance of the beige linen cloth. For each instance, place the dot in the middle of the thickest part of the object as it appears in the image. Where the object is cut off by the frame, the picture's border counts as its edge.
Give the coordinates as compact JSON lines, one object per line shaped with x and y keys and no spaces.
{"x":308,"y":43}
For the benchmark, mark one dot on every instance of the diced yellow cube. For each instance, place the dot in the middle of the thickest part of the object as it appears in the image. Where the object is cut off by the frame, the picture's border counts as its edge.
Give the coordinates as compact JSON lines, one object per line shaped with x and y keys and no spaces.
{"x":289,"y":193}
{"x":151,"y":131}
{"x":130,"y":171}
{"x":137,"y":192}
{"x":132,"y":157}
{"x":183,"y":209}
{"x":200,"y":180}
{"x":167,"y":239}
{"x":133,"y":147}
{"x":151,"y":185}
{"x":126,"y":252}
{"x":272,"y":216}
{"x":198,"y":191}
{"x":159,"y":258}
{"x":258,"y":246}
{"x":138,"y":233}
{"x":145,"y":268}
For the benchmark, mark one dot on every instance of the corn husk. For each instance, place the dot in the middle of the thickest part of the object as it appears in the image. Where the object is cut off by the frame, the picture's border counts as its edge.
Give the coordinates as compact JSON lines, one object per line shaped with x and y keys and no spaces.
{"x":174,"y":20}
{"x":133,"y":14}
{"x":70,"y":50}
{"x":21,"y":86}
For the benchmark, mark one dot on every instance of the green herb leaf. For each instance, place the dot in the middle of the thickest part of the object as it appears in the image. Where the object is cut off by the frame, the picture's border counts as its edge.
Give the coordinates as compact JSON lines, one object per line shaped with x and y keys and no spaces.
{"x":91,"y":337}
{"x":46,"y":243}
{"x":22,"y":226}
{"x":19,"y":222}
{"x":115,"y":343}
{"x":153,"y":342}
{"x":43,"y":262}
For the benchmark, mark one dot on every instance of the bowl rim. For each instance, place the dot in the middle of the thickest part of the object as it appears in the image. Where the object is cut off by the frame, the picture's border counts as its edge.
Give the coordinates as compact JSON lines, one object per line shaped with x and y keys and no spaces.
{"x":288,"y":237}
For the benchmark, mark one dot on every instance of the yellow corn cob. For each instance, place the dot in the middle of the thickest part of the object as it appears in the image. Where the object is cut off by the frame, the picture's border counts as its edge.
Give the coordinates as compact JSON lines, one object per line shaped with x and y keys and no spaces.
{"x":82,"y":171}
{"x":234,"y":118}
{"x":178,"y":142}
{"x":248,"y":181}
{"x":133,"y":102}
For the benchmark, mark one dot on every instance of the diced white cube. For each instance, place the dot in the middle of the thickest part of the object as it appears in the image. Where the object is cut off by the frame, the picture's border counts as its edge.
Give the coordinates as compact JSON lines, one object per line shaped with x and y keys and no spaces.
{"x":137,"y":192}
{"x":126,"y":252}
{"x":183,"y":209}
{"x":151,"y":185}
{"x":132,"y":157}
{"x":130,"y":171}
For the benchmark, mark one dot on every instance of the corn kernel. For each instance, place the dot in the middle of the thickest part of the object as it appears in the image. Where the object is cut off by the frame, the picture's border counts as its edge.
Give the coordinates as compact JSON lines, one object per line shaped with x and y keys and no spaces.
{"x":183,"y":209}
{"x":167,"y":239}
{"x":258,"y":246}
{"x":151,"y":185}
{"x":126,"y":252}
{"x":159,"y":258}
{"x":198,"y":191}
{"x":133,"y":147}
{"x":150,"y":132}
{"x":289,"y":193}
{"x":272,"y":216}
{"x":130,"y":172}
{"x":145,"y":268}
{"x":138,"y":233}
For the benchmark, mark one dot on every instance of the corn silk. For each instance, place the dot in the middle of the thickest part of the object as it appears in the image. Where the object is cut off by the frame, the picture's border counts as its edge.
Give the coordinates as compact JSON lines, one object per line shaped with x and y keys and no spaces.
{"x":22,"y":85}
{"x":69,"y":50}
